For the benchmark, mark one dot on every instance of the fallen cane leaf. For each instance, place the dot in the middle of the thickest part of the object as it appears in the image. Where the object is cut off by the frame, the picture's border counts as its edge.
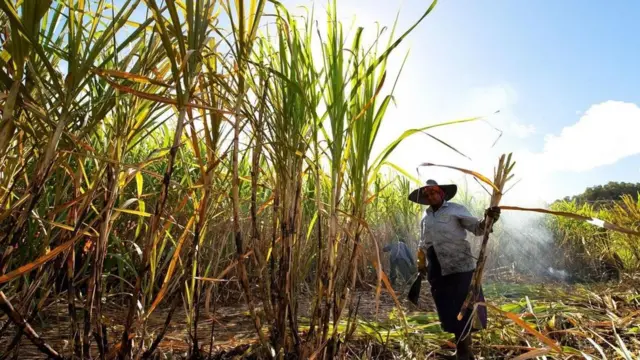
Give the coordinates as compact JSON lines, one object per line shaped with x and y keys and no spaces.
{"x":513,"y":317}
{"x":532,"y":354}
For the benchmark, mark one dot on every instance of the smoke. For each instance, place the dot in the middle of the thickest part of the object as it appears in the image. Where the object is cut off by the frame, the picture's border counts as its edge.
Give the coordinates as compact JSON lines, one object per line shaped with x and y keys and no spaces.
{"x":559,"y":274}
{"x":525,"y":242}
{"x":522,"y":241}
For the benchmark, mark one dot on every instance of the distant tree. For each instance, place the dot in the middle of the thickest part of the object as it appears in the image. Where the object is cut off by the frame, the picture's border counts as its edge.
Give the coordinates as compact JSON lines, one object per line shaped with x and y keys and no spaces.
{"x":606,"y":194}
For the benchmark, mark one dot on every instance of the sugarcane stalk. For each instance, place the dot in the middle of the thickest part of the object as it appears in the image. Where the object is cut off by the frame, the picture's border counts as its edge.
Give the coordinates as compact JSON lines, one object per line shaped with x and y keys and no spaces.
{"x":156,"y":342}
{"x":24,"y":326}
{"x":501,"y":176}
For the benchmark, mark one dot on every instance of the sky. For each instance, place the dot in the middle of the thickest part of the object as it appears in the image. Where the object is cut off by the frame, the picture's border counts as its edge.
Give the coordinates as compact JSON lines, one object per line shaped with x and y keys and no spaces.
{"x":562,"y":74}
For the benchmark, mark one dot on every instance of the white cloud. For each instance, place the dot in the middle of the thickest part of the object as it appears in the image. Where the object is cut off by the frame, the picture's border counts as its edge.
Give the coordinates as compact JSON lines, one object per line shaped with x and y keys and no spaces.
{"x":522,"y":130}
{"x":605,"y":134}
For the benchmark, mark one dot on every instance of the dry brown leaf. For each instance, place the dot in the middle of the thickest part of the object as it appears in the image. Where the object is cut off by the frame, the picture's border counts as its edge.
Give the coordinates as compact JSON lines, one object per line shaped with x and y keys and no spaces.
{"x":129,"y":76}
{"x":513,"y":317}
{"x":38,"y":262}
{"x":532,"y":354}
{"x":171,"y":269}
{"x":469,"y":172}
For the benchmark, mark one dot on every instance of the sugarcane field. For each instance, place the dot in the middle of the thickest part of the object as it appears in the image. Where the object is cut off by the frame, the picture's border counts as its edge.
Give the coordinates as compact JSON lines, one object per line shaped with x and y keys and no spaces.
{"x":319,"y":179}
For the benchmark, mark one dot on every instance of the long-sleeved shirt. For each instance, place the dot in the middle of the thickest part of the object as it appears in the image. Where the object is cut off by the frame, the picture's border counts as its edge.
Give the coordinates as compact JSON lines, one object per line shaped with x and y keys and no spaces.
{"x":399,"y":251}
{"x":446,"y":230}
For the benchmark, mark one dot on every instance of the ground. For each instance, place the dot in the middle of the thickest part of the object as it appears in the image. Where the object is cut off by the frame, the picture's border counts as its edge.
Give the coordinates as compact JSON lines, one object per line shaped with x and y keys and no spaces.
{"x":573,"y":315}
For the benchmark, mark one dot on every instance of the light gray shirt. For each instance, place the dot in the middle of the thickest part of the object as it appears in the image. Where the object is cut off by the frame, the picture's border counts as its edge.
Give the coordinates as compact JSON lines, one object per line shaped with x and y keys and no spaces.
{"x":446,"y":230}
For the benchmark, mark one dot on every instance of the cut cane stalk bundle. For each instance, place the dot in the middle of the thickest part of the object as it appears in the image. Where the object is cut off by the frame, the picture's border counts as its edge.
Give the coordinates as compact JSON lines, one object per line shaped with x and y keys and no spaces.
{"x":502,"y":175}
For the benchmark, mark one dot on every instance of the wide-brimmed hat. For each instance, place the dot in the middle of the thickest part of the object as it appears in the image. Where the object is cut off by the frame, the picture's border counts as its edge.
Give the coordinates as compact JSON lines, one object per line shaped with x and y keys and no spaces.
{"x":420,"y":196}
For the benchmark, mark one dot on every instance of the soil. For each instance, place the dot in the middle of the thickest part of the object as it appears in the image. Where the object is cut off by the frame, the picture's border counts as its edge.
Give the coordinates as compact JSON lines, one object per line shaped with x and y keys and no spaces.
{"x":231,"y":324}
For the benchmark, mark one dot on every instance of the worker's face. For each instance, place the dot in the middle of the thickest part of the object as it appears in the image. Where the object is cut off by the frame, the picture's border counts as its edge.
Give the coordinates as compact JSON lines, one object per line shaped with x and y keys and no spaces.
{"x":434,"y":195}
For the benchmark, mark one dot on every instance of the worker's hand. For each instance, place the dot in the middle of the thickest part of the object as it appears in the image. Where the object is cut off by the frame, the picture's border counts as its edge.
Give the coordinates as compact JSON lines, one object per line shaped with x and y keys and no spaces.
{"x":493,"y":212}
{"x":422,"y":262}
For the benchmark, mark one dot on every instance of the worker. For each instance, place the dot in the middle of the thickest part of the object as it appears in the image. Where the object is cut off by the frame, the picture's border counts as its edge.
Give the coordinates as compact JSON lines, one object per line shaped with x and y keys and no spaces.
{"x":401,"y":260}
{"x":445,"y":259}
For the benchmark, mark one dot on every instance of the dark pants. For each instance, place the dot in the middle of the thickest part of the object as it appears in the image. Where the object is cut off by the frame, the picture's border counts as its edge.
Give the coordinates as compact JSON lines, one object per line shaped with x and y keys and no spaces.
{"x":405,"y":269}
{"x":449,"y":293}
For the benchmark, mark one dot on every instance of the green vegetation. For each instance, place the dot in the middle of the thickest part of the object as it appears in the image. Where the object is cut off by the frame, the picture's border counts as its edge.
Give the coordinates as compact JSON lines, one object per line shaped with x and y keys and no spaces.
{"x":607,"y":193}
{"x":592,"y":250}
{"x":156,"y":170}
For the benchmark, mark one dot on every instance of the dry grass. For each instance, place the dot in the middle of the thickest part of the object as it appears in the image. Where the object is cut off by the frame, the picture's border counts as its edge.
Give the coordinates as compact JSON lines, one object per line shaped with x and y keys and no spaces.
{"x":597,"y":322}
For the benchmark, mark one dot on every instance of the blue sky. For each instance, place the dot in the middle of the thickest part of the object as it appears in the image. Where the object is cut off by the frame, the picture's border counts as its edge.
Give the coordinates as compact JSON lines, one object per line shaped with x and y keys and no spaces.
{"x":557,"y":70}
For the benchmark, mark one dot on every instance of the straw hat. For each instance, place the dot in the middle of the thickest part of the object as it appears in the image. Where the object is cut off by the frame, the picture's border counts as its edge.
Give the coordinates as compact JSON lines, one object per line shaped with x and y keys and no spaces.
{"x":419,"y":195}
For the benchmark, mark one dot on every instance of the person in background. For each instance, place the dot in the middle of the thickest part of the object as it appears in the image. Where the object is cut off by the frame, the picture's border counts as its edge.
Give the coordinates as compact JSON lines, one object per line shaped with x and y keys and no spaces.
{"x":400,"y":259}
{"x":445,"y":259}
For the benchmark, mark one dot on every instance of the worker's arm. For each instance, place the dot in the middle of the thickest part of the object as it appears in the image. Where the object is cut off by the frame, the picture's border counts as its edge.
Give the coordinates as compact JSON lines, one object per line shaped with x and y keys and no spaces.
{"x":473,"y":224}
{"x":469,"y":222}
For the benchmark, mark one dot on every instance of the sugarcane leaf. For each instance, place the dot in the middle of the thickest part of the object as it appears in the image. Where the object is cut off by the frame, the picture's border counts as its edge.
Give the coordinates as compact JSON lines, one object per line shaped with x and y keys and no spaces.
{"x":24,"y":269}
{"x":445,"y":144}
{"x":400,"y":170}
{"x":593,"y":221}
{"x":533,"y":354}
{"x":133,"y":212}
{"x":475,"y":174}
{"x":627,"y":354}
{"x":171,"y":268}
{"x":129,"y":76}
{"x":159,"y":98}
{"x":392,"y":46}
{"x":311,"y":224}
{"x":389,"y":148}
{"x":598,"y":347}
{"x":515,"y":318}
{"x":139,"y":183}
